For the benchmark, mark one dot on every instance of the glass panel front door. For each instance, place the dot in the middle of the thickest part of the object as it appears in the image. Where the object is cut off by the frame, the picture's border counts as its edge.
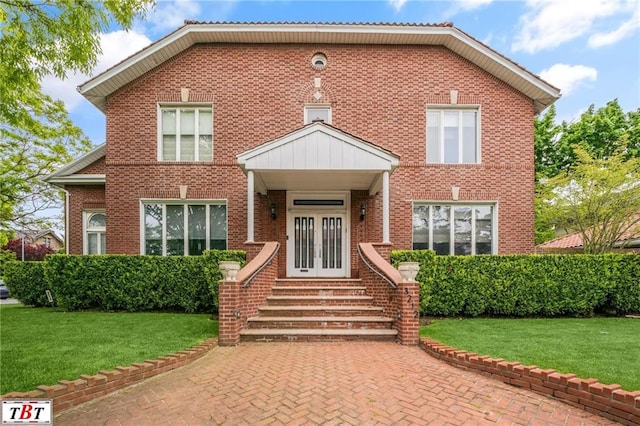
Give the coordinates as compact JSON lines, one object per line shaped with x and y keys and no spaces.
{"x":316,"y":245}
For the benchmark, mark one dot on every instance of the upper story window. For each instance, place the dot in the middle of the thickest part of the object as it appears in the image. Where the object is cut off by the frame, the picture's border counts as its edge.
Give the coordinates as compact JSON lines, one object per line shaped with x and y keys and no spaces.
{"x":453,"y":135}
{"x":47,"y":241}
{"x":319,"y":60}
{"x":186,"y":134}
{"x":317,"y":113}
{"x":456,"y":229}
{"x":95,"y":241}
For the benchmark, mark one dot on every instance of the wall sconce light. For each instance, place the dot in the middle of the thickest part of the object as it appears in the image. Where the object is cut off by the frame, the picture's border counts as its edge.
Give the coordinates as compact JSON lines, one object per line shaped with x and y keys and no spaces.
{"x":274,"y":211}
{"x":363,"y":212}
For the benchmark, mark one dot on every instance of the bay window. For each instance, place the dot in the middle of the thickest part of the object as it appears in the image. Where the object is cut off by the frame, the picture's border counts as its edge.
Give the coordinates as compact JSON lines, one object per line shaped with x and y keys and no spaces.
{"x":190,"y":228}
{"x":454,"y":229}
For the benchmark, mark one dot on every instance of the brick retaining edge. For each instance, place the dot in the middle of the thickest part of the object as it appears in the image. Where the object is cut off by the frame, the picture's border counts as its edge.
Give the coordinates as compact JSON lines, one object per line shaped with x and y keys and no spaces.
{"x":69,"y":393}
{"x":608,"y":401}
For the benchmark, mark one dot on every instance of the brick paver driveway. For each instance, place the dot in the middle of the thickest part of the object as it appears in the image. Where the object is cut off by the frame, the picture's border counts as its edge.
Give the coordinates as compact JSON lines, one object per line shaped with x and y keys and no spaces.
{"x":323,"y":383}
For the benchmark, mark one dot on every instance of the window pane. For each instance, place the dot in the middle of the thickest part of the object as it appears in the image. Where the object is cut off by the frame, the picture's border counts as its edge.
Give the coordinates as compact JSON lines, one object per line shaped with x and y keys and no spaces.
{"x":103,"y":243}
{"x":97,"y":220}
{"x":153,"y":229}
{"x":168,"y":121}
{"x":315,"y":114}
{"x":420,"y":227}
{"x":469,"y":137}
{"x":187,"y":122}
{"x":205,"y":123}
{"x":169,"y":147}
{"x":218,"y":227}
{"x":433,"y":137}
{"x":462,"y":230}
{"x":187,"y":148}
{"x":175,"y":230}
{"x":205,"y":146}
{"x":441,"y":229}
{"x":197,"y":228}
{"x":450,"y":147}
{"x":92,"y":243}
{"x":484,"y":229}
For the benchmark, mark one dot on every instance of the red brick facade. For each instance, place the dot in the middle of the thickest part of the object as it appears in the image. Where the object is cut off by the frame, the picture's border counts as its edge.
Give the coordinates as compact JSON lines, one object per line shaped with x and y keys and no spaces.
{"x":378,"y":93}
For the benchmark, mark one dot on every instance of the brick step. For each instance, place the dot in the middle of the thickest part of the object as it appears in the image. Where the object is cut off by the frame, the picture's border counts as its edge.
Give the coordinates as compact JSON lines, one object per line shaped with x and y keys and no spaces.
{"x":319,"y":300}
{"x":317,"y":335}
{"x":319,"y":291}
{"x":326,"y":322}
{"x":317,"y":310}
{"x":317,"y":282}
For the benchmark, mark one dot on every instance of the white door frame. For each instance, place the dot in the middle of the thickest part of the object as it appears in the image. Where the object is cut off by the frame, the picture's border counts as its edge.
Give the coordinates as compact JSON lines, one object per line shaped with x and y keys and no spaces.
{"x":296,"y":209}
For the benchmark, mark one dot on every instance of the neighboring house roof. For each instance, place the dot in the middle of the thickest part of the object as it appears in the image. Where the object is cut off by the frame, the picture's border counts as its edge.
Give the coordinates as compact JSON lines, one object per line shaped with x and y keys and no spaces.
{"x":37,"y":234}
{"x":99,"y":87}
{"x":631,"y":238}
{"x":68,"y":175}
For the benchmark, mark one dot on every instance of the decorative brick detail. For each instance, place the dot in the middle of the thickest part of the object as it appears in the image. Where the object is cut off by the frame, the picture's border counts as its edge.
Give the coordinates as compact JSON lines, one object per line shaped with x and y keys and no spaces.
{"x":608,"y":401}
{"x":68,"y":393}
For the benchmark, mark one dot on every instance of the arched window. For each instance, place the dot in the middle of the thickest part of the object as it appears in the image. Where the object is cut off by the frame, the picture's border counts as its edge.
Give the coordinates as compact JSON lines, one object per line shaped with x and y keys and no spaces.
{"x":95,"y":233}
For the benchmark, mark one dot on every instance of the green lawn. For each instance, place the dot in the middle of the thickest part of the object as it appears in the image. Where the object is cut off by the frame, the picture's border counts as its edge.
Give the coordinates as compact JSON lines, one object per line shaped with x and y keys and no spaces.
{"x":607,"y":349}
{"x":44,"y":345}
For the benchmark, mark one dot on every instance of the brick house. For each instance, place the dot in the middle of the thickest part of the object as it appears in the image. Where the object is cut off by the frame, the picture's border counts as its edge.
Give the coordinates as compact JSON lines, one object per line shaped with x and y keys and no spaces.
{"x":318,"y":137}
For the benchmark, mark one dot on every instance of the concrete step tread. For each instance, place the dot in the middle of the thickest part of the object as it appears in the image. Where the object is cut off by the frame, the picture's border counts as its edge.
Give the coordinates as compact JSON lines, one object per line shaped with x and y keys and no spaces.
{"x":363,"y":318}
{"x":319,"y":297}
{"x":318,"y":332}
{"x":291,"y":287}
{"x":324,"y":280}
{"x":319,"y":308}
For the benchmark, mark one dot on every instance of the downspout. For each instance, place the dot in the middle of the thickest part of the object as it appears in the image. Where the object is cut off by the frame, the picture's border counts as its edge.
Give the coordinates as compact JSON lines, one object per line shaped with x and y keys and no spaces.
{"x":67,"y":195}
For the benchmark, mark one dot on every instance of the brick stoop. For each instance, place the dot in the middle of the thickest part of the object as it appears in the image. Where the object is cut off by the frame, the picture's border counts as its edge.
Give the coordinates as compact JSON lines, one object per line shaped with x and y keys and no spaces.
{"x":319,"y":310}
{"x":69,"y":393}
{"x":608,"y":401}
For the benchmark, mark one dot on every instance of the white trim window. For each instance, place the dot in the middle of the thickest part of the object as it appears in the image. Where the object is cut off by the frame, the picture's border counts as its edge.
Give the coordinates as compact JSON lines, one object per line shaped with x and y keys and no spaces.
{"x":175,"y":228}
{"x":185,"y":133}
{"x":453,"y":135}
{"x":95,"y":232}
{"x":317,"y":113}
{"x":455,"y":229}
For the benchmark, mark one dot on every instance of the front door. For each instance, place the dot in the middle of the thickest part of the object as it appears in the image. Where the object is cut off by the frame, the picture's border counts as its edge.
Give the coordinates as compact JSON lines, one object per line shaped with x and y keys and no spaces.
{"x":316,"y":243}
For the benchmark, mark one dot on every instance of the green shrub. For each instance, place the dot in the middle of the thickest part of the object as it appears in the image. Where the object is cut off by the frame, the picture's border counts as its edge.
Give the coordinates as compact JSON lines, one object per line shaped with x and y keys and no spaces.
{"x":135,"y":283}
{"x":6,"y":256}
{"x":526,"y":285}
{"x":26,"y":282}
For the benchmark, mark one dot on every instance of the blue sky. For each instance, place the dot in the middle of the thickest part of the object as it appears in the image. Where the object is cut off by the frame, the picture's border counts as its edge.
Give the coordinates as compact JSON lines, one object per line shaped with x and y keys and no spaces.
{"x":590,"y":49}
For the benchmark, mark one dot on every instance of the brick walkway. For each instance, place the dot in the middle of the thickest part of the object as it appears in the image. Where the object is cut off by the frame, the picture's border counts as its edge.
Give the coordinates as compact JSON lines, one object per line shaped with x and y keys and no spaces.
{"x":323,"y":383}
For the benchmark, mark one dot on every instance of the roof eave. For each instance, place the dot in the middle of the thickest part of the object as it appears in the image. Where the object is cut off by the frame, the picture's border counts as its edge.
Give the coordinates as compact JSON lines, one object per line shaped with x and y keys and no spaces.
{"x":98,"y":88}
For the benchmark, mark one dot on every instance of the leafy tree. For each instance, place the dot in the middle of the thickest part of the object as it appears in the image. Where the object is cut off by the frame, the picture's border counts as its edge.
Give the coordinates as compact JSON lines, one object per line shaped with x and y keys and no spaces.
{"x":599,"y":197}
{"x":32,"y":252}
{"x":36,"y":134}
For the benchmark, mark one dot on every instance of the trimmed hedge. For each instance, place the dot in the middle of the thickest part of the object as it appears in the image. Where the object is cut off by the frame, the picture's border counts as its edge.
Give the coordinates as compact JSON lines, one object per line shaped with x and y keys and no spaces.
{"x":122,"y":282}
{"x":26,"y":282}
{"x":526,"y":285}
{"x":6,"y":256}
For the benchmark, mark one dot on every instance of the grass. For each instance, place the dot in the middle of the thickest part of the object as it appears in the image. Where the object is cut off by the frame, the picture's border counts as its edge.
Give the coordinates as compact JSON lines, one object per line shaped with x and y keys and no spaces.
{"x":607,"y":349}
{"x":40,"y":346}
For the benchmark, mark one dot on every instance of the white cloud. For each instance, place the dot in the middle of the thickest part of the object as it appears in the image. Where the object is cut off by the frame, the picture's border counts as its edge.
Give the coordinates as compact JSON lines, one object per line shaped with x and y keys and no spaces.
{"x":467,"y":5}
{"x":549,"y":23}
{"x":397,"y":3}
{"x":627,"y":28}
{"x":569,"y":77}
{"x":169,"y":15}
{"x":116,"y":46}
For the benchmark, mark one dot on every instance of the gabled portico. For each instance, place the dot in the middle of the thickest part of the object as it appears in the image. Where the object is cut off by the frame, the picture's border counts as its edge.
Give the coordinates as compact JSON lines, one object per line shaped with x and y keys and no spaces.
{"x":318,"y":159}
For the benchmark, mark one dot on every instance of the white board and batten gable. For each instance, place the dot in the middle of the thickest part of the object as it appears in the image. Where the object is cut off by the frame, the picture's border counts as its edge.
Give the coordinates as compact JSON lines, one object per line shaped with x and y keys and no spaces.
{"x":318,"y":157}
